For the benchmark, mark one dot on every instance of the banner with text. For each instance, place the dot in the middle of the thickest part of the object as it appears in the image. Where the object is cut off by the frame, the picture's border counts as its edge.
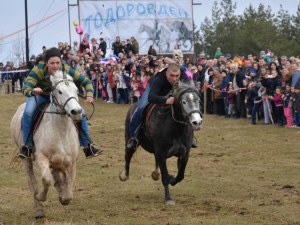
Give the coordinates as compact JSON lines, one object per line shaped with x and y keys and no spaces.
{"x":161,"y":23}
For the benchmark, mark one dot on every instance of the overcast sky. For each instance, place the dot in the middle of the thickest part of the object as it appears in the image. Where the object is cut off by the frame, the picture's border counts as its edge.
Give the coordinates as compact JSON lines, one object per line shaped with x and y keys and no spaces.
{"x":55,"y":28}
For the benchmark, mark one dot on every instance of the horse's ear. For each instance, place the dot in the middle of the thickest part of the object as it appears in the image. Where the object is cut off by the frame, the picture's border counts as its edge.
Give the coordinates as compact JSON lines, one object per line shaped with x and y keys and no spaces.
{"x":69,"y":77}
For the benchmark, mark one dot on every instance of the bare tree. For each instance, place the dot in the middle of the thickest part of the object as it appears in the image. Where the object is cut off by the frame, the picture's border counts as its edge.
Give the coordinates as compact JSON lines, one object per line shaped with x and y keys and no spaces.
{"x":18,"y":50}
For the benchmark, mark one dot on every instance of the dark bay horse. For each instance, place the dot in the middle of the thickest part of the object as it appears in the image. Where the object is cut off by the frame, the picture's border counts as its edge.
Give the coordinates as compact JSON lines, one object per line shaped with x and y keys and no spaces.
{"x":168,"y":131}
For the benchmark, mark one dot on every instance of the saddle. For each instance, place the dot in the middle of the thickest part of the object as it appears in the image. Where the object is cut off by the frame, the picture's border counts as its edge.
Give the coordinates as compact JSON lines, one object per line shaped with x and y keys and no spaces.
{"x":147,"y":112}
{"x":39,"y":116}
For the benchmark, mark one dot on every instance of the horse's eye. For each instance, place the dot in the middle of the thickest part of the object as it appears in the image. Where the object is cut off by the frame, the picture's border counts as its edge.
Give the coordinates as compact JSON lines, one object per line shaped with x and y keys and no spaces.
{"x":60,"y":92}
{"x":184,"y":102}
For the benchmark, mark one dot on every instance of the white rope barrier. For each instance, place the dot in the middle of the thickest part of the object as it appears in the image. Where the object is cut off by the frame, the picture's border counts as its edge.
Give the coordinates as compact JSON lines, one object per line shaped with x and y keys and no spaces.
{"x":14,"y":71}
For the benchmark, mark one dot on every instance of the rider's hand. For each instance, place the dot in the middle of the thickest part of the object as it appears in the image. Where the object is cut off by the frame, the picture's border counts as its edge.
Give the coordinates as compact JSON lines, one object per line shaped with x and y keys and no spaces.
{"x":37,"y":91}
{"x":89,"y":99}
{"x":170,"y":101}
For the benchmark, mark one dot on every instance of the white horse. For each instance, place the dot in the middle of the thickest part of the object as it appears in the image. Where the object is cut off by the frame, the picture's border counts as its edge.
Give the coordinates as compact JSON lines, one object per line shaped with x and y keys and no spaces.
{"x":56,"y":142}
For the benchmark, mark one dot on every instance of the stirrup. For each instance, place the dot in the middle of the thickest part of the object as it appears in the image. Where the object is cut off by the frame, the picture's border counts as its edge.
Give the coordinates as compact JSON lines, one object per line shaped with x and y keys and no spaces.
{"x":92,"y":150}
{"x":24,"y":152}
{"x":133,"y":143}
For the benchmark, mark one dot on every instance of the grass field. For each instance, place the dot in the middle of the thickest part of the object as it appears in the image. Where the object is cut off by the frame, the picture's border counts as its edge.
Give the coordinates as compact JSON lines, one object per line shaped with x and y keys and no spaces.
{"x":240,"y":174}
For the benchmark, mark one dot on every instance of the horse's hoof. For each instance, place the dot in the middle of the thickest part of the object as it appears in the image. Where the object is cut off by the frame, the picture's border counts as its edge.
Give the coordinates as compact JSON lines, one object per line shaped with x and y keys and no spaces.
{"x":155,"y":175}
{"x":172,"y":180}
{"x":64,"y":202}
{"x":39,"y":214}
{"x":123,"y":176}
{"x":169,"y":202}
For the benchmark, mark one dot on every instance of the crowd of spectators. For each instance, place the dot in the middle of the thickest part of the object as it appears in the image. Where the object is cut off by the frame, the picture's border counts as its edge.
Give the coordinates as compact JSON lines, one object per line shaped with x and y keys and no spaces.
{"x":263,"y":87}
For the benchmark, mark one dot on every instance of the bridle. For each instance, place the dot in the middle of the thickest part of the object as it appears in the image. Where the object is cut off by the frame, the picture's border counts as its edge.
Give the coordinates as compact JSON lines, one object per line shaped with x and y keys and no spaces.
{"x":188,"y":90}
{"x":54,"y":100}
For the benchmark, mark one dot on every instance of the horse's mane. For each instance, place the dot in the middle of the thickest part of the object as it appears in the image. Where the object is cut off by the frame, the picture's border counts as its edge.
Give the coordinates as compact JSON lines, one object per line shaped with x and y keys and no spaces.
{"x":184,"y":86}
{"x":59,"y":75}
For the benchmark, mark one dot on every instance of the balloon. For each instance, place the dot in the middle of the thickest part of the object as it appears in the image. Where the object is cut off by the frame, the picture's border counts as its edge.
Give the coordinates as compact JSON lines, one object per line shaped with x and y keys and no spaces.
{"x":77,"y":28}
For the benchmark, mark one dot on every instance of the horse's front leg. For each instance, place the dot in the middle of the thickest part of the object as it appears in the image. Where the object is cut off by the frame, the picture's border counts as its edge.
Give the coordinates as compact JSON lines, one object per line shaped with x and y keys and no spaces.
{"x":38,"y":207}
{"x":161,"y":159}
{"x":43,"y":163}
{"x":181,"y":165}
{"x":69,"y":177}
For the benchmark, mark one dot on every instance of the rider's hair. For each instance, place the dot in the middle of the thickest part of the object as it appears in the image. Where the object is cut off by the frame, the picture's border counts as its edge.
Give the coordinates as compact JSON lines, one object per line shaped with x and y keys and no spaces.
{"x":173,"y":67}
{"x":52,"y":52}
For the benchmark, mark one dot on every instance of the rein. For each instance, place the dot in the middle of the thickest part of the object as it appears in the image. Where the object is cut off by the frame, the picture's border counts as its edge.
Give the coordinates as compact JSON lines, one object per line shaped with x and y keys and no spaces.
{"x":84,"y":97}
{"x":54,"y":102}
{"x":177,"y":121}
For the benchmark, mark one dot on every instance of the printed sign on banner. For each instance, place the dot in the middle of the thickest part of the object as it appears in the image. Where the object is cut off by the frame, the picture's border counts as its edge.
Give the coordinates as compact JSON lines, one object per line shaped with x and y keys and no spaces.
{"x":161,"y":23}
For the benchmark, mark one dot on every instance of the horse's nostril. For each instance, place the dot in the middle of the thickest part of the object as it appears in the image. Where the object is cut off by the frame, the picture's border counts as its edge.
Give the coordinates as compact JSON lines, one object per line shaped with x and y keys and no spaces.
{"x":76,"y":112}
{"x":195,"y":123}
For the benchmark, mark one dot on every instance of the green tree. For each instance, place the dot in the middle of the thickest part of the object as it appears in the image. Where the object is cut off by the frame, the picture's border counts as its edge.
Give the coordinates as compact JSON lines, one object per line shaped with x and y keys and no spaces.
{"x":296,"y":32}
{"x":253,"y":31}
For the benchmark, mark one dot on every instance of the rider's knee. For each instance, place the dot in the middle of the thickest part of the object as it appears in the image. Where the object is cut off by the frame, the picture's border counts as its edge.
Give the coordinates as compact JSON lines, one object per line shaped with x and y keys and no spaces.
{"x":28,"y":114}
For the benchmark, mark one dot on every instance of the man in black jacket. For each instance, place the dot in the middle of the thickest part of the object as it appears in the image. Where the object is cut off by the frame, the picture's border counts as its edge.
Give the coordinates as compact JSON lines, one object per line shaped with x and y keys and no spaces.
{"x":102,"y":47}
{"x":116,"y":46}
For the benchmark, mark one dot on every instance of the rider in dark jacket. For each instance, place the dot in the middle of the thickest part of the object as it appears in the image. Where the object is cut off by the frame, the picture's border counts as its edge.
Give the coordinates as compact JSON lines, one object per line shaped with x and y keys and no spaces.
{"x":157,"y":92}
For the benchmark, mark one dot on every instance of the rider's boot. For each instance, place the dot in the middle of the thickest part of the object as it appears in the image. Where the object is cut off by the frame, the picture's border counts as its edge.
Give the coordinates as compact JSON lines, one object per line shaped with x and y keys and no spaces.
{"x":194,"y":143}
{"x":91,"y":150}
{"x":25,"y":152}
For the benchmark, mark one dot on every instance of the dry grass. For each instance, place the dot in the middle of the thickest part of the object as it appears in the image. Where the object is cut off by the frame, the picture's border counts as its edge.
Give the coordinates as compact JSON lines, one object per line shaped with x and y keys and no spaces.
{"x":240,"y":174}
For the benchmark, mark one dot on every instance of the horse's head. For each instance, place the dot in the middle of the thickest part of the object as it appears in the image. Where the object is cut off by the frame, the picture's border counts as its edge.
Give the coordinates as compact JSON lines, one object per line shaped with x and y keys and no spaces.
{"x":176,"y":26}
{"x":188,"y":98}
{"x":64,"y":94}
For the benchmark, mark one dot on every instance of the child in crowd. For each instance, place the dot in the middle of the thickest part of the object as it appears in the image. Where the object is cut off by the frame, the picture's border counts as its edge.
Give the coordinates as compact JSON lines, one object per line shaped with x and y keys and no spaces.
{"x":230,"y":100}
{"x":296,"y":102}
{"x":253,"y":100}
{"x":268,"y":119}
{"x":287,"y":106}
{"x":256,"y":106}
{"x":102,"y":86}
{"x":135,"y":83}
{"x":121,"y":85}
{"x":278,"y":102}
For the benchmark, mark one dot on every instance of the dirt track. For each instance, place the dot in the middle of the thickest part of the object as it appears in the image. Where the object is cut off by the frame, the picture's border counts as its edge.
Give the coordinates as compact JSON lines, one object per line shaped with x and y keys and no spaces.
{"x":240,"y":174}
